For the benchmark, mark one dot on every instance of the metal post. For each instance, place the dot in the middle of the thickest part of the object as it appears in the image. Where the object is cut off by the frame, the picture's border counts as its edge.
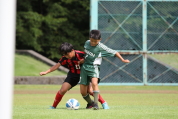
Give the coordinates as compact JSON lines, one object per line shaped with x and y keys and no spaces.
{"x":7,"y":41}
{"x":144,"y":22}
{"x":93,"y":14}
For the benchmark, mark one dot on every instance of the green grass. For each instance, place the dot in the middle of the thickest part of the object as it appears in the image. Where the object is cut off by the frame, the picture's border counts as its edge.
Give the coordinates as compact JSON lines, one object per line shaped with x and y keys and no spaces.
{"x":126,"y":102}
{"x":29,"y":66}
{"x":170,"y":59}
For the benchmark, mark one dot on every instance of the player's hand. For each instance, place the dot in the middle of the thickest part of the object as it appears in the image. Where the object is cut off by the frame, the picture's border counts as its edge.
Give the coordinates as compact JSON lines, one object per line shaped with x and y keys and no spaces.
{"x":81,"y":61}
{"x":42,"y":73}
{"x":126,"y":61}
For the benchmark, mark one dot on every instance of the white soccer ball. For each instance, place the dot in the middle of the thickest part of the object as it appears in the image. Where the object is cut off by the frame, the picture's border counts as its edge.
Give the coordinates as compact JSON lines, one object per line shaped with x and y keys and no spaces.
{"x":72,"y":104}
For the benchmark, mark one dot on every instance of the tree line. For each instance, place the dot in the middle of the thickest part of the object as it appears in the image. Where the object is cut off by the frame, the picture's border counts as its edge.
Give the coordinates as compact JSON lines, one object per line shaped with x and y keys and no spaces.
{"x":42,"y":25}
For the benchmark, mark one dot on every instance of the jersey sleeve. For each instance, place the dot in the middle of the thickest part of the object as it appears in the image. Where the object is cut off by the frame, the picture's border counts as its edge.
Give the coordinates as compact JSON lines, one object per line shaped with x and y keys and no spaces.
{"x":62,"y":61}
{"x":80,"y":55}
{"x":106,"y":51}
{"x":86,"y":44}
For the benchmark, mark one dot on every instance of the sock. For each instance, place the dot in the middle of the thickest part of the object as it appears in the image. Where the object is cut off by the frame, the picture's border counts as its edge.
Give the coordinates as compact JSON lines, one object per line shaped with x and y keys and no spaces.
{"x":100,"y":99}
{"x":88,"y":99}
{"x":57,"y":99}
{"x":96,"y":94}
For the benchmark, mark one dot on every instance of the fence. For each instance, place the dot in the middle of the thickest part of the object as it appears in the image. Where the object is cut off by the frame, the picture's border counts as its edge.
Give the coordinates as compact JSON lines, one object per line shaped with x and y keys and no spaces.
{"x":137,"y":29}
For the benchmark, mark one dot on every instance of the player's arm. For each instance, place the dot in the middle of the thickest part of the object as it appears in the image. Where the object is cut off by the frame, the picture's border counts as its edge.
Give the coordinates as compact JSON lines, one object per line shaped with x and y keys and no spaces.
{"x":82,"y":55}
{"x":53,"y":68}
{"x":121,"y":58}
{"x":106,"y":51}
{"x":81,"y":61}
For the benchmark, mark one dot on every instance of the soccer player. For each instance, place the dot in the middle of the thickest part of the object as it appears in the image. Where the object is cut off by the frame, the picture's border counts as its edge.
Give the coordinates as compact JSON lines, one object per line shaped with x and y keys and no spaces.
{"x":94,"y":50}
{"x":73,"y":60}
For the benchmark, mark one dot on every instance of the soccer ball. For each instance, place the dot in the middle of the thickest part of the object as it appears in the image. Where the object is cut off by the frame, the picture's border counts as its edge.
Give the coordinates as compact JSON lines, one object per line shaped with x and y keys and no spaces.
{"x":72,"y":104}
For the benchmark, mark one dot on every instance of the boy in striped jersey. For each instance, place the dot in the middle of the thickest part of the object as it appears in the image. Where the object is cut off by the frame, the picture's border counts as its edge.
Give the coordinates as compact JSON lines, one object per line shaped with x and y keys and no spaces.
{"x":73,"y":60}
{"x":94,"y":50}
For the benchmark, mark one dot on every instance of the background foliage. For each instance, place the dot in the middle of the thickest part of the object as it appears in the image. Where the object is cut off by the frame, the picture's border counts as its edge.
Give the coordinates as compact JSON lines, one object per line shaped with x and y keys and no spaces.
{"x":42,"y":25}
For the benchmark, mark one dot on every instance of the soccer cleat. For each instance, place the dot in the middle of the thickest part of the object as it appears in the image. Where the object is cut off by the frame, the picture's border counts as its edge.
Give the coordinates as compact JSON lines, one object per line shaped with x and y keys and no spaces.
{"x":105,"y":105}
{"x":95,"y":107}
{"x":89,"y":106}
{"x":51,"y":107}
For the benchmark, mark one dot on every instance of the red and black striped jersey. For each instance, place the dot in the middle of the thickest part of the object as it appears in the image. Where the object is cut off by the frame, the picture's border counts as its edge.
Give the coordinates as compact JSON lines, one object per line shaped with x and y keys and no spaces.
{"x":72,"y":64}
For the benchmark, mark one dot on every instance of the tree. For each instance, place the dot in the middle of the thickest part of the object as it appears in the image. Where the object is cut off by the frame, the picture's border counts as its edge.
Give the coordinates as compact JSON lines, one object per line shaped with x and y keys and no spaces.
{"x":42,"y":25}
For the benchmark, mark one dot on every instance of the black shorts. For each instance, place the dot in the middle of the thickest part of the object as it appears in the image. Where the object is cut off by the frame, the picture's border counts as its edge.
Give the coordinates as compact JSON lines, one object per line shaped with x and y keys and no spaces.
{"x":72,"y":79}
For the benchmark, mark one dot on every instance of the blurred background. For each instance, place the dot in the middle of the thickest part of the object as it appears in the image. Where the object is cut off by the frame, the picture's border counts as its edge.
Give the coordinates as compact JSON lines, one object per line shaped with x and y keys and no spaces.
{"x":42,"y":25}
{"x":145,"y":32}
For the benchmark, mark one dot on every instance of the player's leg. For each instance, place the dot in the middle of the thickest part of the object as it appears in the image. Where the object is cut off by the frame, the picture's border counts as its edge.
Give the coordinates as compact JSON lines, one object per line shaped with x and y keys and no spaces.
{"x":70,"y":81}
{"x":100,"y":99}
{"x":86,"y":96}
{"x":95,"y":87}
{"x":90,"y":90}
{"x":84,"y":82}
{"x":94,"y":79}
{"x":59,"y":95}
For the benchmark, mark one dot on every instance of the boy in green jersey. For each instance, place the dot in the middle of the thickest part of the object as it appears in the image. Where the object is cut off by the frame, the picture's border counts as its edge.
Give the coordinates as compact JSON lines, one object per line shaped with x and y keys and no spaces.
{"x":94,"y":50}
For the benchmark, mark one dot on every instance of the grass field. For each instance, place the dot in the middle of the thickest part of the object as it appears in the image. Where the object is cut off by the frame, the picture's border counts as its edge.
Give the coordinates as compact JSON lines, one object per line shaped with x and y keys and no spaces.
{"x":126,"y":102}
{"x":29,"y":66}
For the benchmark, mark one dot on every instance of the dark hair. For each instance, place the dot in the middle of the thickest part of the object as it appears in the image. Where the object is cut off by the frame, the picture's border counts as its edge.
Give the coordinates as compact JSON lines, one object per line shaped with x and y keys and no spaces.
{"x":95,"y":34}
{"x":65,"y":47}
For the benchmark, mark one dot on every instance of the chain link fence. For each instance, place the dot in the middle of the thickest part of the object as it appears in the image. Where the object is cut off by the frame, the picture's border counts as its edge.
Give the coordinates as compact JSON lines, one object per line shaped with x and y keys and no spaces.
{"x":162,"y":25}
{"x":125,"y":27}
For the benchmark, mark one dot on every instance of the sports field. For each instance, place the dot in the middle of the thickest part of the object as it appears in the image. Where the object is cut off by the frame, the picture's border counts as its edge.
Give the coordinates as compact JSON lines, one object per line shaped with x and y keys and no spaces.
{"x":126,"y":102}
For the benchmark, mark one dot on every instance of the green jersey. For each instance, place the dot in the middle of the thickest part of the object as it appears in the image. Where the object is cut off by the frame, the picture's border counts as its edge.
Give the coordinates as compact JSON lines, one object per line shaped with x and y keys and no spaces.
{"x":94,"y":54}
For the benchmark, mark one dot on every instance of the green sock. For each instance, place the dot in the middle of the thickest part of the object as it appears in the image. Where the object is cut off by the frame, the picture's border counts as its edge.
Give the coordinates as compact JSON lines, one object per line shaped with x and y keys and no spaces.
{"x":96,"y":94}
{"x":87,"y":98}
